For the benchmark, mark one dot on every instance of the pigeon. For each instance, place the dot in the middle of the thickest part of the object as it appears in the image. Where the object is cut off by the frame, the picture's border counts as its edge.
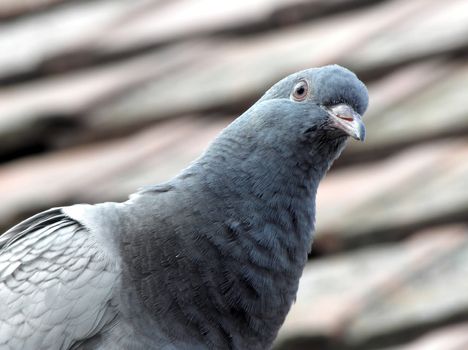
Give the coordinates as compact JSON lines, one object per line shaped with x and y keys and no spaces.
{"x":210,"y":259}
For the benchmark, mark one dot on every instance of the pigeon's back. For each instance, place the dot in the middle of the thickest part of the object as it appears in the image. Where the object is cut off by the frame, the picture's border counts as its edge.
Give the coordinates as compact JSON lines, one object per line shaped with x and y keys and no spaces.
{"x":56,"y":284}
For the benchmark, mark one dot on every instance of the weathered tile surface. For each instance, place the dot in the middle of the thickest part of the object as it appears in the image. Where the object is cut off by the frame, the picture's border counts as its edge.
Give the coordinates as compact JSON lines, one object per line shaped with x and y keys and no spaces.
{"x":65,"y":98}
{"x":15,"y":8}
{"x":386,"y":200}
{"x":33,"y":40}
{"x":382,"y":294}
{"x":446,"y":338}
{"x":443,"y":23}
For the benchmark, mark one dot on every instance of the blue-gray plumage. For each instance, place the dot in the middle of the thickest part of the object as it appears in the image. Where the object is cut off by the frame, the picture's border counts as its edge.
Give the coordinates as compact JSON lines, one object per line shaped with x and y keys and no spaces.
{"x":209,"y":260}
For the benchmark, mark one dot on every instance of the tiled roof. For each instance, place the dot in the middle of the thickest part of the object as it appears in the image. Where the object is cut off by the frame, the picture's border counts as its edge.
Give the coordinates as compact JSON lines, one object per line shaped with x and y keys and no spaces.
{"x":98,"y":98}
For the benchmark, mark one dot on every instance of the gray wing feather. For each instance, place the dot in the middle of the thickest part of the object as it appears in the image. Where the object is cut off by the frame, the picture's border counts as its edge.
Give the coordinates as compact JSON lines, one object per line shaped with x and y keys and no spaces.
{"x":56,"y":284}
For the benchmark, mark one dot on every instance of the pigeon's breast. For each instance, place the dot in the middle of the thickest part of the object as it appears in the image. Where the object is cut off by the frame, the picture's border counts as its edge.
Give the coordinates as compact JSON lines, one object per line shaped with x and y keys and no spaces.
{"x":214,"y":272}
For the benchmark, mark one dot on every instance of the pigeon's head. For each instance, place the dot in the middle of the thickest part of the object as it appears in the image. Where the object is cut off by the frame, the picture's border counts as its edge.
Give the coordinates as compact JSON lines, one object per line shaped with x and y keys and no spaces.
{"x":328,"y":101}
{"x":303,"y":119}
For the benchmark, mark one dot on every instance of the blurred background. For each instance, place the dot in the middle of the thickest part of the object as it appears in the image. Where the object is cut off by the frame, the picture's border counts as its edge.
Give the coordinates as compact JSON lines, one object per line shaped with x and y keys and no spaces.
{"x":98,"y":98}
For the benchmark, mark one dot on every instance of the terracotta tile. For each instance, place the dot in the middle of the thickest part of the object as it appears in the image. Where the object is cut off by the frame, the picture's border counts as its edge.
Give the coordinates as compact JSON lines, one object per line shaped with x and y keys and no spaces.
{"x":382,"y":294}
{"x":447,"y":338}
{"x":386,"y":200}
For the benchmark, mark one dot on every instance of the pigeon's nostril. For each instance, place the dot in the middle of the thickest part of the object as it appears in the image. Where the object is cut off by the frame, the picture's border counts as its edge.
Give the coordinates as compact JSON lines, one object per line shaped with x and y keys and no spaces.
{"x":345,"y":117}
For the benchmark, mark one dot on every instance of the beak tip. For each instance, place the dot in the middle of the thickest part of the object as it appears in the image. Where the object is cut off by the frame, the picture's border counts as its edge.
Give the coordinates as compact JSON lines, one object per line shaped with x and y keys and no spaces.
{"x":358,"y":131}
{"x":361,"y":135}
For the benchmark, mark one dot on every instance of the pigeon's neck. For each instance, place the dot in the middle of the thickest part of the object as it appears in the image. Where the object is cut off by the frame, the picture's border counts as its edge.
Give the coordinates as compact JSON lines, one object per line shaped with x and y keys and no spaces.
{"x":265,"y":199}
{"x":264,"y":185}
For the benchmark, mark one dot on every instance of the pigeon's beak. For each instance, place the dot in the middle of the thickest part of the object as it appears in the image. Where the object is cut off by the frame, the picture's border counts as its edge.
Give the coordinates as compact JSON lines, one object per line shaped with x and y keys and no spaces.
{"x":345,"y":118}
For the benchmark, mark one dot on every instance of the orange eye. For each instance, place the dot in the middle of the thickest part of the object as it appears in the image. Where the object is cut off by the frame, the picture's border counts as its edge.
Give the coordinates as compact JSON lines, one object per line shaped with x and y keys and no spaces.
{"x":300,"y":91}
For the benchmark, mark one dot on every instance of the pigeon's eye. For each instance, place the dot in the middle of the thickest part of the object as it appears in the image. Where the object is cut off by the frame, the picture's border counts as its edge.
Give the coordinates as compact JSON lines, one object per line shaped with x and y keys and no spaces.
{"x":300,"y":91}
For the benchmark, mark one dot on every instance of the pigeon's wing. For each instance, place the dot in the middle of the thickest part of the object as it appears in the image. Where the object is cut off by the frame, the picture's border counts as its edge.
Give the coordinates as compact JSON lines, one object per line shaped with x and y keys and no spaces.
{"x":56,"y":284}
